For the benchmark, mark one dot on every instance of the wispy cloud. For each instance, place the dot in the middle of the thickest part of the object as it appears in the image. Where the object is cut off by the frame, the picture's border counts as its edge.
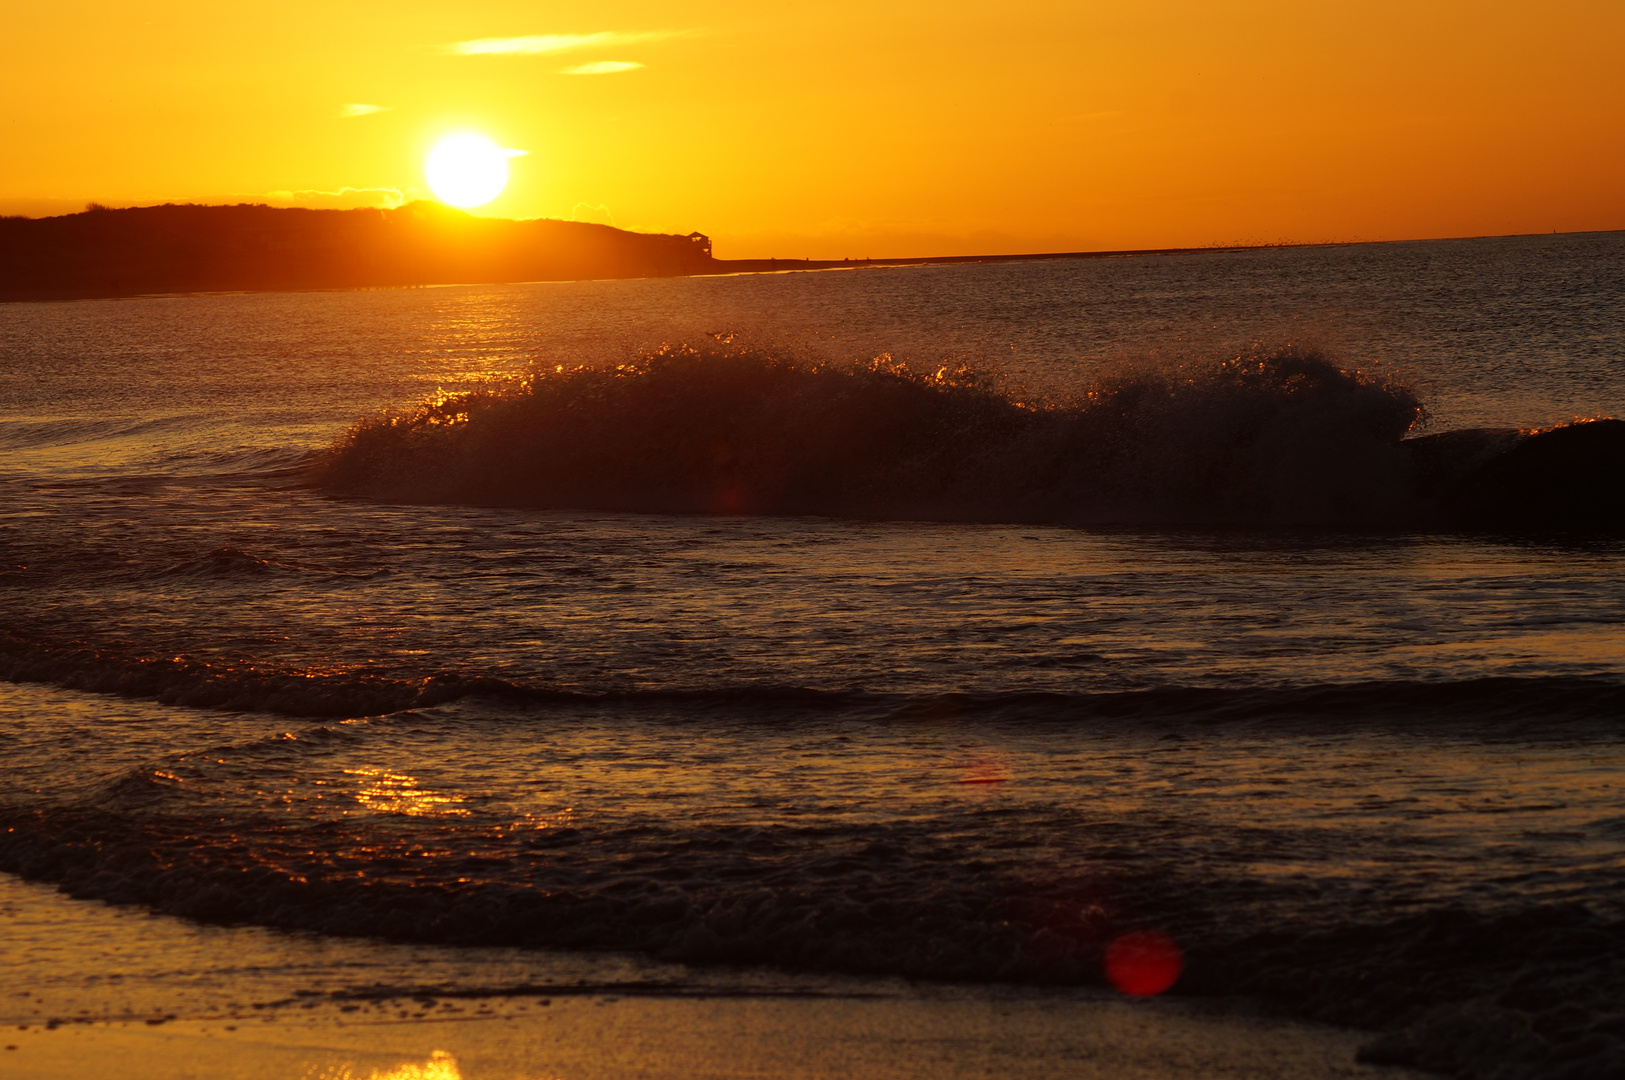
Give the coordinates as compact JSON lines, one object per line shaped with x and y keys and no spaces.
{"x":359,"y":109}
{"x":602,"y":67}
{"x":344,"y":198}
{"x":542,"y":44}
{"x":597,"y":213}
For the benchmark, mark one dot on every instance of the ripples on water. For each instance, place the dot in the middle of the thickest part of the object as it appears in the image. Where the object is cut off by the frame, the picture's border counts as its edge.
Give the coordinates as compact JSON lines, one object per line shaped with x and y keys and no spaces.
{"x":1370,"y":777}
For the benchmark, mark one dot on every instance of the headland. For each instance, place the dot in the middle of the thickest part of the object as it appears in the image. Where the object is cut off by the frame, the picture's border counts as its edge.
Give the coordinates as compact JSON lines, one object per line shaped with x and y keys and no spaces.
{"x":252,"y":248}
{"x":185,"y":248}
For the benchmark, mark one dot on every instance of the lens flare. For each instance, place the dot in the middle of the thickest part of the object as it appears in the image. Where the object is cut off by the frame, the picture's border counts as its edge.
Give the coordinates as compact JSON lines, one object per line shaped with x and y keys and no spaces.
{"x":1143,"y":963}
{"x":467,"y":170}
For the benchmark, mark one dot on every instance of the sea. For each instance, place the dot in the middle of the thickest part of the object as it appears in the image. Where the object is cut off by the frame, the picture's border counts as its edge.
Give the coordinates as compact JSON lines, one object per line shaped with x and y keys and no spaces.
{"x":954,"y":624}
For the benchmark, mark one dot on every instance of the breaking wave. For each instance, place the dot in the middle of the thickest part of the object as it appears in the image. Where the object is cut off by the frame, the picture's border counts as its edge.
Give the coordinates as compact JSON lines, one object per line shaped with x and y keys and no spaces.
{"x":1272,"y":436}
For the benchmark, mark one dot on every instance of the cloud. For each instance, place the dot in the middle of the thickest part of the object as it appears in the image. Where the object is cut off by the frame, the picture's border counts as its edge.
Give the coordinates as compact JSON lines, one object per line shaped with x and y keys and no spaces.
{"x":602,"y":67}
{"x":345,"y":198}
{"x":542,"y":44}
{"x":361,"y":110}
{"x":596,"y":213}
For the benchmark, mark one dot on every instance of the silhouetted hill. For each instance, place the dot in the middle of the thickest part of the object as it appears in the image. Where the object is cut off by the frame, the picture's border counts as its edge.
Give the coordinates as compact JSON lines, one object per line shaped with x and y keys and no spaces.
{"x":182,"y":248}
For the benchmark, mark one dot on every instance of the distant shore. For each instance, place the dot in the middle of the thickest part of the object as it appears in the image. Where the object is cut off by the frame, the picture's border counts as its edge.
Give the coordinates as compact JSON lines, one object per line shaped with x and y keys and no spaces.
{"x":179,"y":249}
{"x":779,"y":266}
{"x":103,"y":253}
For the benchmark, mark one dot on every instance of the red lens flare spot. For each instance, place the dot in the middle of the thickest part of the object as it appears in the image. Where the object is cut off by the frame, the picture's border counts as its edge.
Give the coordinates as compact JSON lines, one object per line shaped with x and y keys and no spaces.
{"x":730,"y":499}
{"x":1142,"y":963}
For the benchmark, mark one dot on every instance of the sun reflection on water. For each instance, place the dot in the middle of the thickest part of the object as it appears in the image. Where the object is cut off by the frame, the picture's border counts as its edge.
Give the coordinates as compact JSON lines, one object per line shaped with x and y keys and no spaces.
{"x":440,"y":1066}
{"x":397,"y":793}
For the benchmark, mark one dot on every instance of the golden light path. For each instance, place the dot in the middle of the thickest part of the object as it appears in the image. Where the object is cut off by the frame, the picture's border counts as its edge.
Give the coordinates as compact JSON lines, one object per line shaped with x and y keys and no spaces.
{"x":468,"y":170}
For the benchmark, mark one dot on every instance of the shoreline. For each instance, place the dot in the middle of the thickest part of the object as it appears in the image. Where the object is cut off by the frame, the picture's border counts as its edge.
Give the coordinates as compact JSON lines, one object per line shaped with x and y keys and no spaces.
{"x":718,"y":268}
{"x":709,"y":1039}
{"x":781,"y":266}
{"x":118,"y":992}
{"x":737,"y":267}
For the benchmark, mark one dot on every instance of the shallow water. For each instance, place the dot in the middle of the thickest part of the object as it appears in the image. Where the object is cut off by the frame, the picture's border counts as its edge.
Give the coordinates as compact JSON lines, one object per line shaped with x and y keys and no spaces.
{"x":1366,"y":776}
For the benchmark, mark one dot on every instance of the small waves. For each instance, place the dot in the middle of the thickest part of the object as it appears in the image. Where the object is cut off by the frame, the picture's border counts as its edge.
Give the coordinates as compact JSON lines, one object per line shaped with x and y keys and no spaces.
{"x":219,"y":684}
{"x":1280,"y":868}
{"x":1270,"y":437}
{"x":28,"y":433}
{"x":247,"y":462}
{"x":147,"y":450}
{"x":231,"y":562}
{"x":1525,"y":706}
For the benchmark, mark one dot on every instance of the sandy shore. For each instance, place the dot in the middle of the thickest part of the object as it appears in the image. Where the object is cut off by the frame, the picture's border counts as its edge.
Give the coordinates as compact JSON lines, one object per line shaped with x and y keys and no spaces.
{"x":93,"y":991}
{"x":601,"y":1037}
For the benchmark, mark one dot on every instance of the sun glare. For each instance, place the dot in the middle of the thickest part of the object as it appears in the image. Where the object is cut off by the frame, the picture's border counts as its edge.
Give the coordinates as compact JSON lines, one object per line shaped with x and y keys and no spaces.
{"x":467,"y":170}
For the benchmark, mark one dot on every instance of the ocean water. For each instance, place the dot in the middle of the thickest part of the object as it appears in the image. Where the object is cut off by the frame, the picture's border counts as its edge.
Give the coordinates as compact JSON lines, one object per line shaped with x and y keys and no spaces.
{"x":499,"y":616}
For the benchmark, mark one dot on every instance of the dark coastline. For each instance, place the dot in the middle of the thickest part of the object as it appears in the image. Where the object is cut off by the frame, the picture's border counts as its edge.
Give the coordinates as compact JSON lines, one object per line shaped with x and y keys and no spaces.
{"x":103,"y":253}
{"x":781,"y":266}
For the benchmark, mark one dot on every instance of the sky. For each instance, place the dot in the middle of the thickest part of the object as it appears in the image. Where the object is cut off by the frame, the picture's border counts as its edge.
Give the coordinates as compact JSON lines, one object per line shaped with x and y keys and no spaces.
{"x":845,"y":129}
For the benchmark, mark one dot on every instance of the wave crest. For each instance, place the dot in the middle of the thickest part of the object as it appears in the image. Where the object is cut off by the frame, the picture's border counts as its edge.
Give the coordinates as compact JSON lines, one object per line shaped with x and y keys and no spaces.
{"x":1269,"y":436}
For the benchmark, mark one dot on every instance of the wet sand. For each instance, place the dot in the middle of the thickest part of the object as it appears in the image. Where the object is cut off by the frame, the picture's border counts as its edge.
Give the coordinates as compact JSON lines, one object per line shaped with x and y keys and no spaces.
{"x":96,"y":991}
{"x":588,"y":1039}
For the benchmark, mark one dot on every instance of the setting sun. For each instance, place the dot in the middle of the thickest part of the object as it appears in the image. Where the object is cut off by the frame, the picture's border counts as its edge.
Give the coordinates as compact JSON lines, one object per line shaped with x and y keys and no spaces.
{"x":909,"y":539}
{"x":467,"y":170}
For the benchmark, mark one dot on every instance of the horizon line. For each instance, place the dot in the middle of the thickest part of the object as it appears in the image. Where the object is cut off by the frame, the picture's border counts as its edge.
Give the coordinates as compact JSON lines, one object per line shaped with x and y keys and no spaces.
{"x":769,"y":264}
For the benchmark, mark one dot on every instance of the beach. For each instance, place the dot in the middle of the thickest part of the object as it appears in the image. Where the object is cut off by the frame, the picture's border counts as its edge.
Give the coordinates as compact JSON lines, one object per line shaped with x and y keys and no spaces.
{"x":834,"y":669}
{"x":120,"y":993}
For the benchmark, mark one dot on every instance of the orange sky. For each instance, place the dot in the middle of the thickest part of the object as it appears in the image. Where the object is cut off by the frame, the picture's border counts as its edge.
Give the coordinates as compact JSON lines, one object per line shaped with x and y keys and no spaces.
{"x":847,"y":128}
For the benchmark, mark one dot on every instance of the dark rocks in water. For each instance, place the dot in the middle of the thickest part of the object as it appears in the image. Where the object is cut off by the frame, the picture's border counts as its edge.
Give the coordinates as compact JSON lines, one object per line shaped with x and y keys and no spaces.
{"x":1563,"y":479}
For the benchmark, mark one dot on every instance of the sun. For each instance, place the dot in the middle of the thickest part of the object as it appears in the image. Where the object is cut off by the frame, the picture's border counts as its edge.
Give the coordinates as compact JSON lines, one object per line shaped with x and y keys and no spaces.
{"x":467,"y":170}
